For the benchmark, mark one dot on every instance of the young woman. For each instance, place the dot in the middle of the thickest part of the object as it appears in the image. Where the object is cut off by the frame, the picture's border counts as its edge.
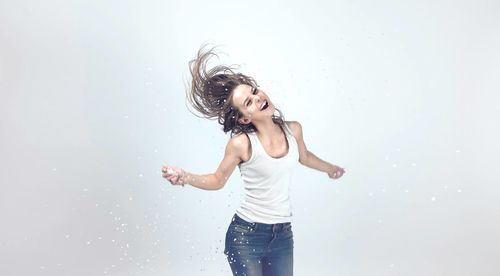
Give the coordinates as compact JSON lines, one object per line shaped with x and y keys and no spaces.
{"x":259,"y":239}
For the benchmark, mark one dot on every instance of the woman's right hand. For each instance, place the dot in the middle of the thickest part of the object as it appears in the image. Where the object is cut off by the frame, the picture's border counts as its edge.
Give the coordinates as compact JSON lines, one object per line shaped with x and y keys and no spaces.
{"x":176,"y":176}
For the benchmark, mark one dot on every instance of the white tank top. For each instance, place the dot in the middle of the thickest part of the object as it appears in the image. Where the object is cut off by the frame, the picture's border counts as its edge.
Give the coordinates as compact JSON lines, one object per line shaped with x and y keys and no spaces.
{"x":267,"y":183}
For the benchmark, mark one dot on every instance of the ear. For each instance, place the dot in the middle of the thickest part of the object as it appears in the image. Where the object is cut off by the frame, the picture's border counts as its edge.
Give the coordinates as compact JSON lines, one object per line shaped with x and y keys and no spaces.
{"x":244,"y":121}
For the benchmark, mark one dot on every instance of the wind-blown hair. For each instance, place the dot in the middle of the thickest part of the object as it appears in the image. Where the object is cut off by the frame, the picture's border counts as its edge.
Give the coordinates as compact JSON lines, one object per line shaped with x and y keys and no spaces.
{"x":210,"y":93}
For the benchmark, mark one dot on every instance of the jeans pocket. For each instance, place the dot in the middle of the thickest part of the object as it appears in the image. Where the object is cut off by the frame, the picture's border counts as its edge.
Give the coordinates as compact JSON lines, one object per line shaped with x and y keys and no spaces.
{"x":241,"y":229}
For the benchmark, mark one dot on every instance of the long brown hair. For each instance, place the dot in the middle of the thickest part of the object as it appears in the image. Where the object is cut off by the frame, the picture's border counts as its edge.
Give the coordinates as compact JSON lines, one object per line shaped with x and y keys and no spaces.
{"x":210,"y":93}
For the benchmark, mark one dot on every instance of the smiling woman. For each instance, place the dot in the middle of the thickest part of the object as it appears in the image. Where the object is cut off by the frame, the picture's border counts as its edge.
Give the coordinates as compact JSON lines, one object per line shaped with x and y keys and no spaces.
{"x":259,"y":239}
{"x":211,"y":93}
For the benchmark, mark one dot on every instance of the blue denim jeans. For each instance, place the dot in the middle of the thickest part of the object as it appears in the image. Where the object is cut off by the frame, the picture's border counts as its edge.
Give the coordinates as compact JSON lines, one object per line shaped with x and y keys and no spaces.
{"x":258,"y":249}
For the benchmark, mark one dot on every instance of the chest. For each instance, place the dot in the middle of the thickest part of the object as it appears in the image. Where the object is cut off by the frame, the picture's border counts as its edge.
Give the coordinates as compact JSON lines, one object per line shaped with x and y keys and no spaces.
{"x":276,"y":148}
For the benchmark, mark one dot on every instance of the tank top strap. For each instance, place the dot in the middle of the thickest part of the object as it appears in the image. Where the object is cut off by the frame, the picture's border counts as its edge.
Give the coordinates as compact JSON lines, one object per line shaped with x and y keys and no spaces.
{"x":256,"y":147}
{"x":253,"y":140}
{"x":288,"y":131}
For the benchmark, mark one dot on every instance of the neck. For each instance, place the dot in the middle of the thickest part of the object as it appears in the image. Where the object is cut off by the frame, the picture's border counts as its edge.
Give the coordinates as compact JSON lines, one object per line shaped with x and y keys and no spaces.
{"x":267,"y":129}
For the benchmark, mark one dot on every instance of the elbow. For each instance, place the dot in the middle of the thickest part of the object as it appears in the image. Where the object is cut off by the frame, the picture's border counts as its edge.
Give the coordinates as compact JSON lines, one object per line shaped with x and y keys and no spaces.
{"x":218,"y":187}
{"x":303,"y":159}
{"x":219,"y":183}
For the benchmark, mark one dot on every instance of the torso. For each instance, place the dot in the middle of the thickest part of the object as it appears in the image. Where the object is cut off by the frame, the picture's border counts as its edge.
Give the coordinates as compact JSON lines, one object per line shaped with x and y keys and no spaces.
{"x":275,"y":148}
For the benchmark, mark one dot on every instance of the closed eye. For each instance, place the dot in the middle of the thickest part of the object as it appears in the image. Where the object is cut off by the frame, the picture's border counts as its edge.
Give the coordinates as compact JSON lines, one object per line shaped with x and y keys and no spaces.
{"x":254,"y":91}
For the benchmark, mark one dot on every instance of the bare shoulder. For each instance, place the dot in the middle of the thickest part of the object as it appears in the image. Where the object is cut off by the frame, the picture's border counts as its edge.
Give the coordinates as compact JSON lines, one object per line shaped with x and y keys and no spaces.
{"x":296,"y":128}
{"x":238,"y":146}
{"x":239,"y":141}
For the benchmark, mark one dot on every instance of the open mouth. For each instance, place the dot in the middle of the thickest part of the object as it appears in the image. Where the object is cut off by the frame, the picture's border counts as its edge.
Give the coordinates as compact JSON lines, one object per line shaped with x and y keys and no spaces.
{"x":265,"y":105}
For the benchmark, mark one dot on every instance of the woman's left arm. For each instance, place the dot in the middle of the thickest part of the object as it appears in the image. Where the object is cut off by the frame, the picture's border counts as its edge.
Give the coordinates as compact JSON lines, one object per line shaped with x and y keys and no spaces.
{"x":308,"y":158}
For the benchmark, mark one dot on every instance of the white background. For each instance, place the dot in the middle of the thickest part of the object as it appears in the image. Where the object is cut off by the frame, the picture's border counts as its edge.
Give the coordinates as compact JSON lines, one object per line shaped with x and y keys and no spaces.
{"x":403,"y":94}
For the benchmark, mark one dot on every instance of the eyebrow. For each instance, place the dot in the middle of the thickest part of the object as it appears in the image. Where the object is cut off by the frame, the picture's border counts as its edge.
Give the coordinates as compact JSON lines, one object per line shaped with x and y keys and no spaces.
{"x":244,"y":102}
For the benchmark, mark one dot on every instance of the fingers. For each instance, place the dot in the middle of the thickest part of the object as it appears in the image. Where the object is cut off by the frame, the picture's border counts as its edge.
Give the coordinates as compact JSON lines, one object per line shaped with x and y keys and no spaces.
{"x":168,"y":176}
{"x":172,"y":175}
{"x":174,"y":179}
{"x":337,"y":173}
{"x":168,"y":170}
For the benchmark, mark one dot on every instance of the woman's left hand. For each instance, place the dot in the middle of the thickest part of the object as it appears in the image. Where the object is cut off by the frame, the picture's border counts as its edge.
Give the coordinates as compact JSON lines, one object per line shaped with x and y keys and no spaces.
{"x":336,"y":172}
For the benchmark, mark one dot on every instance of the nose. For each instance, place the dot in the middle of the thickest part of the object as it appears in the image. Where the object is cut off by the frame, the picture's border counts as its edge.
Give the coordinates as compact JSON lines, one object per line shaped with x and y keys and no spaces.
{"x":257,"y":99}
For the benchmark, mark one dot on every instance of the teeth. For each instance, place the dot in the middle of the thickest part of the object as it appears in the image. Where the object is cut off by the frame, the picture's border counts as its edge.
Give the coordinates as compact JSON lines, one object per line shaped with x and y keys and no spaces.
{"x":263,"y":104}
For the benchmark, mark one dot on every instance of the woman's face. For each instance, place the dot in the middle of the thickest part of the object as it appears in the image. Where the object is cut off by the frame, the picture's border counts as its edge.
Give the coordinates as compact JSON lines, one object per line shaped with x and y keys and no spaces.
{"x":252,"y":102}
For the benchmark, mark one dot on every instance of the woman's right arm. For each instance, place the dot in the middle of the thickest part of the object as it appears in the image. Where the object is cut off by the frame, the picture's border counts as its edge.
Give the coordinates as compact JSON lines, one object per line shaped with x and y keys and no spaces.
{"x":232,"y":157}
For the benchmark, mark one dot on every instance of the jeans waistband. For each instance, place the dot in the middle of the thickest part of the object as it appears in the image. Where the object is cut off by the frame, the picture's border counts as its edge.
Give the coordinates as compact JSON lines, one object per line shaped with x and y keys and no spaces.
{"x":261,"y":226}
